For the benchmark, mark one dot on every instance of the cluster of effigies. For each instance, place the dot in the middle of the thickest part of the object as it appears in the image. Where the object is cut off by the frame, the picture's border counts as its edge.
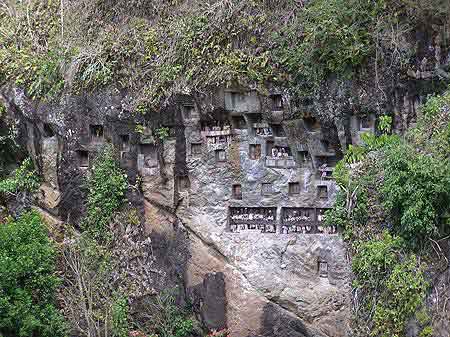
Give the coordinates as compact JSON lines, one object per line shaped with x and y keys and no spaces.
{"x":218,"y":127}
{"x":305,"y":221}
{"x":264,"y":131}
{"x":258,"y":219}
{"x":279,"y":152}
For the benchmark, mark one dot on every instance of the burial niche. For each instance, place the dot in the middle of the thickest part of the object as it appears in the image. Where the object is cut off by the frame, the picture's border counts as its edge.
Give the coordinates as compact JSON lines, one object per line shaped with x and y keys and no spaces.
{"x":277,"y":102}
{"x":365,"y":123}
{"x":294,"y":188}
{"x":298,"y":220}
{"x":48,"y":131}
{"x":254,"y":151}
{"x":221,"y":156}
{"x":183,"y":183}
{"x":125,"y":143}
{"x":188,"y":111}
{"x":266,"y":188}
{"x":322,"y":191}
{"x":238,"y":122}
{"x":322,"y":267}
{"x":83,"y":158}
{"x":96,"y":132}
{"x":237,"y":191}
{"x":260,"y":219}
{"x":149,"y":154}
{"x":196,"y":148}
{"x":278,"y":130}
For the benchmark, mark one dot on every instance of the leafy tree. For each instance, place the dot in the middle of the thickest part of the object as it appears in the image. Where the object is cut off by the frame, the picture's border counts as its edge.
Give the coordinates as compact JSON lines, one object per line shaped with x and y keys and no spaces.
{"x":24,"y":178}
{"x":106,"y":193}
{"x":28,"y":280}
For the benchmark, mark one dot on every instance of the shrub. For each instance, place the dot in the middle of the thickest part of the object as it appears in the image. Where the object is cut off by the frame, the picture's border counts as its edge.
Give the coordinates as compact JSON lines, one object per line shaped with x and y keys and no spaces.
{"x":106,"y":193}
{"x":28,"y":280}
{"x":405,"y":292}
{"x":24,"y":178}
{"x":416,"y":190}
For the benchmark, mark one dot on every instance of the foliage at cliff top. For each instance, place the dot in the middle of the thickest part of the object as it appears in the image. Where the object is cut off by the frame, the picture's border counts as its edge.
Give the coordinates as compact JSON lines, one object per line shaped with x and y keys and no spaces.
{"x":28,"y":280}
{"x":163,"y":47}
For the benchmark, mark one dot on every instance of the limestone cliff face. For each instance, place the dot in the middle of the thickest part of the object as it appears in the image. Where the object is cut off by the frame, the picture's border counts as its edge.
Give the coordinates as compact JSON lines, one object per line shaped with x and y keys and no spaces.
{"x":243,"y":183}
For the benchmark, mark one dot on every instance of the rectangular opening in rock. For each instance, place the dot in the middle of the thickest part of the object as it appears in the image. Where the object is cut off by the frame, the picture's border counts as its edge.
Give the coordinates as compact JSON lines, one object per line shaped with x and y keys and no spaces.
{"x":277,"y":130}
{"x":237,"y":192}
{"x":303,"y":157}
{"x":83,"y":158}
{"x":322,"y":267}
{"x":125,"y":143}
{"x":311,"y":123}
{"x":365,"y":123}
{"x":188,"y":111}
{"x":196,"y":148}
{"x":48,"y":131}
{"x":254,"y":151}
{"x":239,"y":122}
{"x":260,"y":219}
{"x":322,"y":191}
{"x":183,"y":183}
{"x":150,"y":155}
{"x":276,"y":102}
{"x":294,"y":188}
{"x":221,"y":156}
{"x":96,"y":132}
{"x":236,"y":99}
{"x":266,"y":188}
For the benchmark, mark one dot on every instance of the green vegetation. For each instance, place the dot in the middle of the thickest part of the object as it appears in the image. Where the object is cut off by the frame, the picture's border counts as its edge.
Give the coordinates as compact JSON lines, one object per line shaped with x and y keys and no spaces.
{"x":107,"y":186}
{"x":164,"y":47}
{"x":392,"y":203}
{"x":28,"y":280}
{"x":24,"y":178}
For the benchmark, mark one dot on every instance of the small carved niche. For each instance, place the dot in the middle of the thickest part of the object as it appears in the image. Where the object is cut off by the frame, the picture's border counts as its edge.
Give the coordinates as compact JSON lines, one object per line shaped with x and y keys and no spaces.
{"x":278,"y":130}
{"x":266,"y":188}
{"x":322,"y":267}
{"x":238,"y":122}
{"x":188,"y":111}
{"x":221,"y":156}
{"x":322,"y":191}
{"x":237,"y":191}
{"x":311,"y":123}
{"x":196,"y":148}
{"x":83,"y":158}
{"x":277,"y":102}
{"x":294,"y":188}
{"x":125,"y":143}
{"x":96,"y":132}
{"x":150,"y":155}
{"x":183,"y":183}
{"x":254,"y":151}
{"x":48,"y":131}
{"x":365,"y":123}
{"x":303,"y":157}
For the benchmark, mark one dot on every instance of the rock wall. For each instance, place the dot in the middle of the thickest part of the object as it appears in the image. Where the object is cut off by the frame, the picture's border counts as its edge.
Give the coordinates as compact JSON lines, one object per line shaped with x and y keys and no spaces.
{"x":235,"y":194}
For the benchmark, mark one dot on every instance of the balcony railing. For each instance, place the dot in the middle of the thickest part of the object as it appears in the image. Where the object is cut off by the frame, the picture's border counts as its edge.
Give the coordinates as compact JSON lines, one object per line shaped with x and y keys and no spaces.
{"x":280,"y":162}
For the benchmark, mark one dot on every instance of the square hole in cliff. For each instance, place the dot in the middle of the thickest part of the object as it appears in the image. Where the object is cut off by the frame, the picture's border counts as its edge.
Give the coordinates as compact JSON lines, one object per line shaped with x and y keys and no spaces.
{"x":83,"y":158}
{"x":277,"y":102}
{"x":294,"y":188}
{"x":237,"y":192}
{"x":278,"y":130}
{"x":266,"y":188}
{"x":220,"y":155}
{"x":183,"y":183}
{"x":365,"y":123}
{"x":48,"y":131}
{"x":188,"y":111}
{"x":322,"y":191}
{"x":125,"y":143}
{"x":196,"y":148}
{"x":96,"y":132}
{"x":254,"y":151}
{"x":149,"y":154}
{"x":322,"y":267}
{"x":238,"y":122}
